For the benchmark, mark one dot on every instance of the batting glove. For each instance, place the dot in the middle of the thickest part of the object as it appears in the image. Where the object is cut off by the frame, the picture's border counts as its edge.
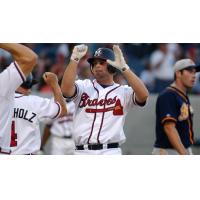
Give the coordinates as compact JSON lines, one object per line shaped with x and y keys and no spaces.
{"x":119,"y":62}
{"x":79,"y":51}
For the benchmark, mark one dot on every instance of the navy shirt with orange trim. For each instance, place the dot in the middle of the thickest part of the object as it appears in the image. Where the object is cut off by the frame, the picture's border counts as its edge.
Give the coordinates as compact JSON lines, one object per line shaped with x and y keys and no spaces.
{"x":173,"y":105}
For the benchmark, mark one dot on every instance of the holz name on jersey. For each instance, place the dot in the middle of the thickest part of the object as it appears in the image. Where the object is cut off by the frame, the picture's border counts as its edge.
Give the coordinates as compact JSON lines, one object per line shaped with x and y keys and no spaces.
{"x":24,"y":114}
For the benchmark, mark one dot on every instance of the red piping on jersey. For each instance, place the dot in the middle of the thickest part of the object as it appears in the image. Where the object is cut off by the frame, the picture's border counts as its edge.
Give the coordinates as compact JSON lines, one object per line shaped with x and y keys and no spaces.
{"x":104,"y":113}
{"x":95,"y":115}
{"x":19,"y":71}
{"x":91,"y":110}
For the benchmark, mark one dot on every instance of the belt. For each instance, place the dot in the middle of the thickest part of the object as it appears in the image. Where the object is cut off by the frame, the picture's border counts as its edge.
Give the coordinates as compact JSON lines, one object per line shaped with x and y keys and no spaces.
{"x":65,"y":136}
{"x":97,"y":146}
{"x":3,"y":151}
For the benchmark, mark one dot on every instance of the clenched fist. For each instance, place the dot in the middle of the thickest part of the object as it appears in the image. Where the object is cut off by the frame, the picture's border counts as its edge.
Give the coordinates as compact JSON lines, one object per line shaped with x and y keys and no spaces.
{"x":50,"y":78}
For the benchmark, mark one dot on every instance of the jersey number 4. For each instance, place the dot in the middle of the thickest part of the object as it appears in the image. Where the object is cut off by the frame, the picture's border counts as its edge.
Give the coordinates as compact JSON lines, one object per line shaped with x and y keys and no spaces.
{"x":13,"y":142}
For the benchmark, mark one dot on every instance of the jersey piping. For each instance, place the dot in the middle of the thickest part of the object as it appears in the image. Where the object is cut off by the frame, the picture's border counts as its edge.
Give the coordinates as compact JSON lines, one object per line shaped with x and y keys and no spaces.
{"x":20,"y":72}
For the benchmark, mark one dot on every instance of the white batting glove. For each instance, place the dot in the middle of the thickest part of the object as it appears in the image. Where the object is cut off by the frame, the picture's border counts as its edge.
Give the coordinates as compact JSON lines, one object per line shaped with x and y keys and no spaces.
{"x":119,"y":62}
{"x":79,"y":51}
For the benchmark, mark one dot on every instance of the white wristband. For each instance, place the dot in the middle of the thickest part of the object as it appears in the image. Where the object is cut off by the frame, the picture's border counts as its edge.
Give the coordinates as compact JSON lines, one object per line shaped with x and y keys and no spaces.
{"x":74,"y":58}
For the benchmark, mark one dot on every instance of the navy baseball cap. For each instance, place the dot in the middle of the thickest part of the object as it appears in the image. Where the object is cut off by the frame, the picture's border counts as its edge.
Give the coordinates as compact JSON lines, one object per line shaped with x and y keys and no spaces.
{"x":30,"y":81}
{"x":185,"y":63}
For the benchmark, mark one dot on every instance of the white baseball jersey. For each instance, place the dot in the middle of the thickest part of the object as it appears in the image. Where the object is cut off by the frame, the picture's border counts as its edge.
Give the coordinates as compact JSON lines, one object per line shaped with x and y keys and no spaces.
{"x":28,"y":112}
{"x":61,"y":140}
{"x":100,"y":112}
{"x":63,"y":126}
{"x":10,"y":79}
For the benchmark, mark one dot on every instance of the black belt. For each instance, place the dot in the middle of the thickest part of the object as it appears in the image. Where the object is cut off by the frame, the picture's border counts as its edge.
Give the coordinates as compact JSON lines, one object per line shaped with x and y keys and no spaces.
{"x":5,"y":152}
{"x":97,"y":146}
{"x":67,"y":137}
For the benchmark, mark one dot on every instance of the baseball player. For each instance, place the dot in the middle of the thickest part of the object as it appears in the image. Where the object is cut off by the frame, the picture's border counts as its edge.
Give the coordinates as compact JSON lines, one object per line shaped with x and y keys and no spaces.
{"x":60,"y":133}
{"x":29,"y":110}
{"x":174,"y":114}
{"x":10,"y":79}
{"x":101,"y":105}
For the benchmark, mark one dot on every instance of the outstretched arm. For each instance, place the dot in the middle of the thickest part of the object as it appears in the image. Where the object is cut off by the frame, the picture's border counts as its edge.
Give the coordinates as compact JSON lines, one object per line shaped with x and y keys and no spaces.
{"x":68,"y":81}
{"x":25,"y":57}
{"x":52,"y":80}
{"x":134,"y":81}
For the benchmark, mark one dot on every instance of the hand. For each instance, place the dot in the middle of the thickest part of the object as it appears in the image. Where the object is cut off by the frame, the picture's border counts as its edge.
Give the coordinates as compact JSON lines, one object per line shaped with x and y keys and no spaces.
{"x":79,"y":51}
{"x":50,"y":78}
{"x":119,"y":62}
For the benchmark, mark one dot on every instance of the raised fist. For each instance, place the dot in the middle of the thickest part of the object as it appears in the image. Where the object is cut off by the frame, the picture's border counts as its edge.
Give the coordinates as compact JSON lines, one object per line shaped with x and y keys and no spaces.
{"x":50,"y":78}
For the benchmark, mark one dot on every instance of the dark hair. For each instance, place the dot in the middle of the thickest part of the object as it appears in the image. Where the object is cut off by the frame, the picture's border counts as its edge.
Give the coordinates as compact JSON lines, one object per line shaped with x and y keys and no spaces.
{"x":177,"y":71}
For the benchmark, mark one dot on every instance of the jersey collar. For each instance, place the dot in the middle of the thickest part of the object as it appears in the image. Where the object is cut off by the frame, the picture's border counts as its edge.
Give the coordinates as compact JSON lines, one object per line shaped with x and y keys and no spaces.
{"x":179,"y":92}
{"x":96,"y":84}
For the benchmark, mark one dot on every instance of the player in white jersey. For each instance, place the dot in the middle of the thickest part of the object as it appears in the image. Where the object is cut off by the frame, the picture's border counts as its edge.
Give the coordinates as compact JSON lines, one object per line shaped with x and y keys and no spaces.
{"x":10,"y":79}
{"x":59,"y":133}
{"x":30,"y":110}
{"x":101,"y":104}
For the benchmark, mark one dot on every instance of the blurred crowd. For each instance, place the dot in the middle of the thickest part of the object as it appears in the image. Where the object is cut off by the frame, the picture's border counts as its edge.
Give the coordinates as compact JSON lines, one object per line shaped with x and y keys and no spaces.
{"x":152,"y":62}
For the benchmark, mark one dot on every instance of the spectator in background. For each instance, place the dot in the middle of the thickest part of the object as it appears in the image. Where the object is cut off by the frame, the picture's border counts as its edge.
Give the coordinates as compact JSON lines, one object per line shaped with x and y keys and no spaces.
{"x":147,"y":76}
{"x":59,"y":67}
{"x":52,"y":55}
{"x":162,"y":60}
{"x":193,"y":53}
{"x":84,"y":71}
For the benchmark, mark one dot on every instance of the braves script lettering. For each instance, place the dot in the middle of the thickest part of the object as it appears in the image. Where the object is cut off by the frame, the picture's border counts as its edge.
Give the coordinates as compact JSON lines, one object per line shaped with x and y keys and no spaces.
{"x":86,"y":101}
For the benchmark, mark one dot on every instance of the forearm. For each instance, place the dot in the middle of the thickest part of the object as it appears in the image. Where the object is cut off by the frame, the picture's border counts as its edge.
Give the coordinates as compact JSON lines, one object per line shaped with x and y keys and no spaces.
{"x":68,"y":81}
{"x":175,"y":140}
{"x":45,"y":137}
{"x":58,"y":97}
{"x":138,"y":86}
{"x":24,"y":56}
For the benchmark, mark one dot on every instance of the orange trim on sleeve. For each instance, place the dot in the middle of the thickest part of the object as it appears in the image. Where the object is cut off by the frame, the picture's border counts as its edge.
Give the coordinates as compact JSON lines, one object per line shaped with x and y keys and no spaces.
{"x":168,"y":119}
{"x":190,"y":132}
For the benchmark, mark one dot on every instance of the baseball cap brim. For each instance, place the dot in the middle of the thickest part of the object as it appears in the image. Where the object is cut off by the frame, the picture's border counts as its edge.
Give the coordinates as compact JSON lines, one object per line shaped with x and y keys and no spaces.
{"x":197,"y":67}
{"x":91,"y":60}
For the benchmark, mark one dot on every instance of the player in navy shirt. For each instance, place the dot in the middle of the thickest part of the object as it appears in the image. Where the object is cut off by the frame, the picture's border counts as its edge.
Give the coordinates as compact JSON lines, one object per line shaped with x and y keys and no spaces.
{"x":174,"y":123}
